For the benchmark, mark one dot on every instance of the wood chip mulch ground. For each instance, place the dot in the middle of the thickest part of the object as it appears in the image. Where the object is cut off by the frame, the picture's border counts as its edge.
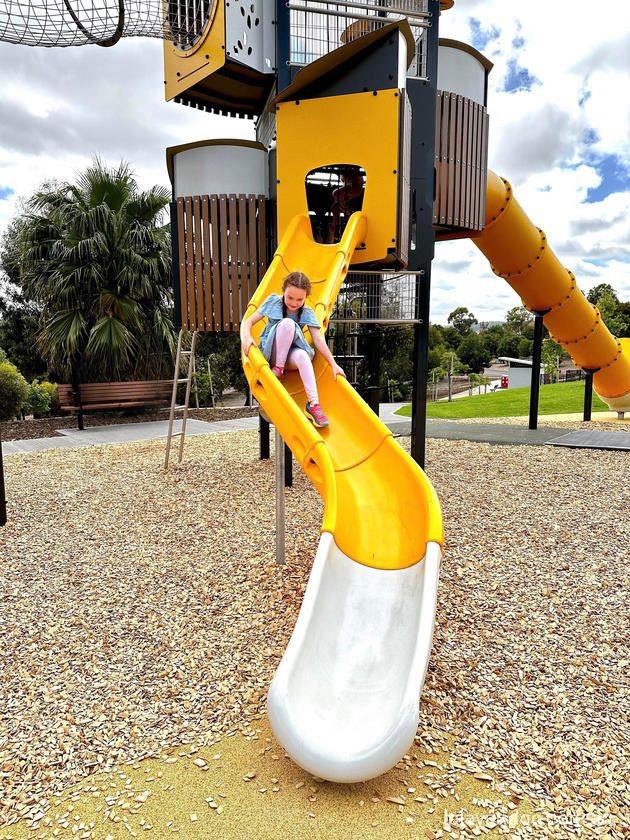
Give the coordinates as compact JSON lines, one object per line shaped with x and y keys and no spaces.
{"x":142,"y":610}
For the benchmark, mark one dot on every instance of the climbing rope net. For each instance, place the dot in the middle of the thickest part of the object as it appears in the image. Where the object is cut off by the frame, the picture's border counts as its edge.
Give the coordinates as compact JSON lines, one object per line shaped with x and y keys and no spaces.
{"x":69,"y":23}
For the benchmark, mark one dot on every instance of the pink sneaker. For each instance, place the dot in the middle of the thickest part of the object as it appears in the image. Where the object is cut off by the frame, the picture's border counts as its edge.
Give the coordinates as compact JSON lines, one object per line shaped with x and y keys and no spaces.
{"x":315,"y":414}
{"x":278,"y":372}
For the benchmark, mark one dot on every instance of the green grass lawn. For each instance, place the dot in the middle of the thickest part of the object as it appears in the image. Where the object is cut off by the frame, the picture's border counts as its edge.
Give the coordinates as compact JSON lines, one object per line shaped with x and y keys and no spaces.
{"x":563,"y":398}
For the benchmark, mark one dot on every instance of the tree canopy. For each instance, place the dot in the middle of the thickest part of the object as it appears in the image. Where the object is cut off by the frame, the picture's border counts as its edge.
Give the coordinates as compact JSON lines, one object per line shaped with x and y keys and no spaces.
{"x":94,"y":258}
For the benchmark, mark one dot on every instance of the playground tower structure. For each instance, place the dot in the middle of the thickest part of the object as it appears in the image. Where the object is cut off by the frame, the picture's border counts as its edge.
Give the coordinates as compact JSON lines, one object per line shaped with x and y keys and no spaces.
{"x":249,"y":60}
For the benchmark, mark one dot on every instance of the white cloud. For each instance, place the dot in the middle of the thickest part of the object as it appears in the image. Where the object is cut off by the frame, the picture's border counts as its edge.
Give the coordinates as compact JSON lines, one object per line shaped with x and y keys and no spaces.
{"x":60,"y":107}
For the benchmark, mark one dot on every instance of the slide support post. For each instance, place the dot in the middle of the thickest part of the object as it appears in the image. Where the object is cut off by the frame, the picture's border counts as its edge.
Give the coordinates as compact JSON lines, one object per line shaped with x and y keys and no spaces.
{"x":280,"y":542}
{"x":288,"y":467}
{"x":535,"y":384}
{"x":263,"y":431}
{"x":588,"y":396}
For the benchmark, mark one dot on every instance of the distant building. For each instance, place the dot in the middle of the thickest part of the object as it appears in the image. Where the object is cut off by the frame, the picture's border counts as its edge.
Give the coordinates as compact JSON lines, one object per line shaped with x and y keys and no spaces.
{"x":519,"y":372}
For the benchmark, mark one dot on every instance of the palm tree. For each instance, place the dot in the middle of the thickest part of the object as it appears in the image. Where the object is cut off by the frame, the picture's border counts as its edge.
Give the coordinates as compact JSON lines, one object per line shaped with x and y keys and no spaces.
{"x":96,"y":257}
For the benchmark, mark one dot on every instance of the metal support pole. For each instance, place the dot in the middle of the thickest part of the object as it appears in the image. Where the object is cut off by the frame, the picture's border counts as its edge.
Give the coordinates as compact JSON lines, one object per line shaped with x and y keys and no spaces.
{"x":76,"y":399}
{"x":288,"y":467}
{"x":280,"y":542}
{"x":263,"y":430}
{"x":283,"y":44}
{"x":422,"y":97}
{"x":588,"y":396}
{"x":373,"y":339}
{"x":3,"y":498}
{"x":420,"y":370}
{"x":535,"y":384}
{"x":176,"y":268}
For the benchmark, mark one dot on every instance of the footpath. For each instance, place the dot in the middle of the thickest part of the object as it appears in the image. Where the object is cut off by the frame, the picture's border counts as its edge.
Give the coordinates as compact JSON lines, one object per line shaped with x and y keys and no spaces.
{"x":499,"y":434}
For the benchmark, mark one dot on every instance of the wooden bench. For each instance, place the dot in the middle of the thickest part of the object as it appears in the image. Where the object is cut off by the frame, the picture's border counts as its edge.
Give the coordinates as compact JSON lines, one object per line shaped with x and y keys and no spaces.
{"x":114,"y":395}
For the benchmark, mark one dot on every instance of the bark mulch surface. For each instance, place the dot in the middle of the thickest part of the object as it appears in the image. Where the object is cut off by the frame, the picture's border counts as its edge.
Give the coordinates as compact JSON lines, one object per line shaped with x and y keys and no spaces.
{"x":143,"y":616}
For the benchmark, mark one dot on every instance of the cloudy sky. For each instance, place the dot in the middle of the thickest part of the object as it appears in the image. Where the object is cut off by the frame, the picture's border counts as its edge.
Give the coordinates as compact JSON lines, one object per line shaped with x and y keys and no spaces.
{"x":559,"y":104}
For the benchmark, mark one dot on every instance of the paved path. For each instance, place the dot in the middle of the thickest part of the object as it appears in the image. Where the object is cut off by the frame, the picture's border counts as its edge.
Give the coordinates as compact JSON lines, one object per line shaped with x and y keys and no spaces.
{"x":129,"y":432}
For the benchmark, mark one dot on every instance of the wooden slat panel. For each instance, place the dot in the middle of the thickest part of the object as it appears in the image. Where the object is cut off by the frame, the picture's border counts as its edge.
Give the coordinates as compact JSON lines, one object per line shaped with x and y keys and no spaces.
{"x":457,"y":178}
{"x":438,"y":159}
{"x":471,"y":160}
{"x":198,"y":270}
{"x":208,"y":315}
{"x":448,"y":125}
{"x":484,"y":165}
{"x":217,"y":302}
{"x":252,"y":272}
{"x":465,"y":194}
{"x":226,"y":313}
{"x":182,"y":262}
{"x":262,"y":237}
{"x":243,"y":256}
{"x":233,"y":264}
{"x":475,"y":220}
{"x":190,"y":281}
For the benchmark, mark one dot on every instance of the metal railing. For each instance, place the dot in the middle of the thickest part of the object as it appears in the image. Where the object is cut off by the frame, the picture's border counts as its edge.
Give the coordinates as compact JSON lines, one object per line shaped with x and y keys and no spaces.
{"x":378,"y":297}
{"x":318,"y":28}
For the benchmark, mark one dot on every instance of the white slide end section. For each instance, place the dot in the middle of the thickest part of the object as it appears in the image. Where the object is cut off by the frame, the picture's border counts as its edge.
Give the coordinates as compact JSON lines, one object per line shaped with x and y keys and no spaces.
{"x":344,"y":702}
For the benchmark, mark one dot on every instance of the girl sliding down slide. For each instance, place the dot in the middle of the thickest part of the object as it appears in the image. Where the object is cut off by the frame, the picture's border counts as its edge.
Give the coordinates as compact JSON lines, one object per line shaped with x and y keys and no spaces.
{"x":283,"y":344}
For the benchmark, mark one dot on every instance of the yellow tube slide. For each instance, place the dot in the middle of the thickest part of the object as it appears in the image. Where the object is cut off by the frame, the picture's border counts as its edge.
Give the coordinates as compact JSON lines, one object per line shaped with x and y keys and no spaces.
{"x":378,"y":504}
{"x":518,"y":252}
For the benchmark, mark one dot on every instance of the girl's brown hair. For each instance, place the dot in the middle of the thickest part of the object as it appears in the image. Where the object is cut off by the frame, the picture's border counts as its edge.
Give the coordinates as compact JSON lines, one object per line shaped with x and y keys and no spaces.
{"x":299,"y":281}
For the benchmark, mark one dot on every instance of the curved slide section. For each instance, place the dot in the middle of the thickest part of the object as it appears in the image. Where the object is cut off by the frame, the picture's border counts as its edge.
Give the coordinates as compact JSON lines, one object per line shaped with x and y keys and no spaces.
{"x":344,"y":700}
{"x":518,"y":252}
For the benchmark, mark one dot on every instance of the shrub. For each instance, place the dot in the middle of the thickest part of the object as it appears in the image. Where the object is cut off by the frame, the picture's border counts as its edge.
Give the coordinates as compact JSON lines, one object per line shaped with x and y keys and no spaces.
{"x":53,"y":394}
{"x":37,"y":401}
{"x":13,"y":391}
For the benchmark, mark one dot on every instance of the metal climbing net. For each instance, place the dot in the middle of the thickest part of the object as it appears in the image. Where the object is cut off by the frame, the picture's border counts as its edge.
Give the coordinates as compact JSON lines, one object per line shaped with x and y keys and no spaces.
{"x":69,"y":23}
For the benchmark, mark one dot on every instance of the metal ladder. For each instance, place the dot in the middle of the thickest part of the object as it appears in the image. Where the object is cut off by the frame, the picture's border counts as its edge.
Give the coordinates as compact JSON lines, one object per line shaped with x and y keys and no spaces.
{"x":179,"y":380}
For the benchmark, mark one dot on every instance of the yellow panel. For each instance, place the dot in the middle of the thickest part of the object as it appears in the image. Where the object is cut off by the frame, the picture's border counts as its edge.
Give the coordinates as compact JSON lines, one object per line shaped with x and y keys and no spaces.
{"x":183,"y":69}
{"x":360,"y":129}
{"x":378,"y":504}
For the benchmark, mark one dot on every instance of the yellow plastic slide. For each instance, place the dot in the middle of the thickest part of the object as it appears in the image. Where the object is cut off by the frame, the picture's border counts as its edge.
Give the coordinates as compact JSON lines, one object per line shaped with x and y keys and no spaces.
{"x":378,"y":504}
{"x":519,"y":253}
{"x":344,"y":700}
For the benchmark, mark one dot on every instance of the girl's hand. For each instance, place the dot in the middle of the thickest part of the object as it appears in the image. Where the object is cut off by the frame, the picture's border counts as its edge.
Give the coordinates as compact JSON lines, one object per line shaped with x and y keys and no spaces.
{"x":247,"y":343}
{"x":337,"y":371}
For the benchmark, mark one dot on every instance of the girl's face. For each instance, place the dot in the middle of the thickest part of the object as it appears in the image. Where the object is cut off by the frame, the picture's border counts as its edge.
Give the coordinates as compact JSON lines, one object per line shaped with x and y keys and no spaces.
{"x":294,"y":298}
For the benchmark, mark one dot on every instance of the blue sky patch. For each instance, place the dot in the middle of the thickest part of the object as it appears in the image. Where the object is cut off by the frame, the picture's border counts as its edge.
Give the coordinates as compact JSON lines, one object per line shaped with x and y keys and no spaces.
{"x":480,"y":37}
{"x":614,"y":174}
{"x":598,"y":263}
{"x":5,"y":192}
{"x":518,"y":78}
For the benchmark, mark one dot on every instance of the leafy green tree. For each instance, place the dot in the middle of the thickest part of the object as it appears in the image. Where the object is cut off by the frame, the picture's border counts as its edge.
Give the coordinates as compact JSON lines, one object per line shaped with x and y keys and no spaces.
{"x":19,"y":317}
{"x":37,"y":400}
{"x":609,"y":310}
{"x":525,"y":348}
{"x":508,"y":346}
{"x":462,"y":319}
{"x":96,"y":259}
{"x":491,"y":338}
{"x":551,"y":354}
{"x":624,"y":312}
{"x":594,"y":294}
{"x":13,"y":391}
{"x":473,"y":352}
{"x":517,"y":319}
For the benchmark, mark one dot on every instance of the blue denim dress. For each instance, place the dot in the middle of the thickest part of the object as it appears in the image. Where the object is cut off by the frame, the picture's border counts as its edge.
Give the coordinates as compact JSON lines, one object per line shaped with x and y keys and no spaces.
{"x":272,"y":310}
